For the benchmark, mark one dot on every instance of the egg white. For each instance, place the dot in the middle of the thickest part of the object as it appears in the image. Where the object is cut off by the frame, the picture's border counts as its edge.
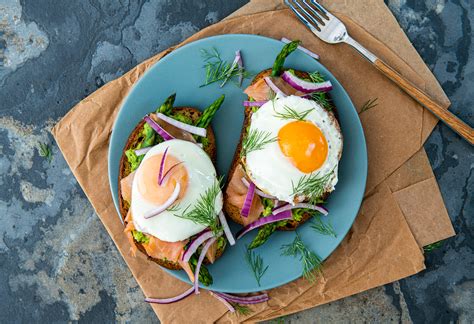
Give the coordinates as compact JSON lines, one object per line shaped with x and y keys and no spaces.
{"x":272,"y":171}
{"x":202,"y":176}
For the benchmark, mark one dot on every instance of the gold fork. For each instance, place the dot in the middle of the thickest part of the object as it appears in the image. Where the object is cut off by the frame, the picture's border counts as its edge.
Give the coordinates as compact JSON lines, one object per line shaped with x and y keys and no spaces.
{"x":331,"y":30}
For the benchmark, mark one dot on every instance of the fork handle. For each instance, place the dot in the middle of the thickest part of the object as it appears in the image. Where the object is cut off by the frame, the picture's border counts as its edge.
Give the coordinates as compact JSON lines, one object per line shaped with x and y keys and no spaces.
{"x":456,"y":124}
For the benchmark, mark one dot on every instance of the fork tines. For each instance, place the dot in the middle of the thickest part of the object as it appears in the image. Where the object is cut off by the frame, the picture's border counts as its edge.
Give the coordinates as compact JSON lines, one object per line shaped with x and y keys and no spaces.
{"x":311,"y":13}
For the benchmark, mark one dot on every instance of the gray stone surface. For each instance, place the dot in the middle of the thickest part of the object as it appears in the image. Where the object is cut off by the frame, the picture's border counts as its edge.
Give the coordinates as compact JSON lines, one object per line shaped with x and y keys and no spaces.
{"x":57,"y":263}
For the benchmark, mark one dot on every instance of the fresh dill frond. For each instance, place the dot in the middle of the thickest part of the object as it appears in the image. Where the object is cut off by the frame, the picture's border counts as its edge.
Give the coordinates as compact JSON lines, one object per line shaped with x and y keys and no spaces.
{"x":311,"y":262}
{"x":322,"y":99}
{"x":321,"y":227}
{"x":256,"y":140}
{"x":241,"y":309}
{"x":45,"y":151}
{"x":255,"y":262}
{"x":371,"y":103}
{"x":290,"y":113}
{"x":173,"y":208}
{"x":204,"y":212}
{"x":208,"y":55}
{"x":219,"y":70}
{"x":312,"y":186}
{"x":433,"y":246}
{"x":316,"y":77}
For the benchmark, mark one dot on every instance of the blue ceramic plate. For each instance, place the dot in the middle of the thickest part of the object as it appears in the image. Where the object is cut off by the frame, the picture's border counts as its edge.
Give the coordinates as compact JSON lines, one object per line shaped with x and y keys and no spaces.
{"x":182,"y":72}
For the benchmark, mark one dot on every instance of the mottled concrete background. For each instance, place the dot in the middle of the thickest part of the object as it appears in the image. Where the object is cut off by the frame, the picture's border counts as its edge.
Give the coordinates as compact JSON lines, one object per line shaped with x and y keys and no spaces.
{"x":57,"y":262}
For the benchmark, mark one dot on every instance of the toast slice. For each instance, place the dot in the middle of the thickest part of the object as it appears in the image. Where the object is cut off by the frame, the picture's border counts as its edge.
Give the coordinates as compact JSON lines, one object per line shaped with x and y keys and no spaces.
{"x":233,"y":211}
{"x":125,"y":169}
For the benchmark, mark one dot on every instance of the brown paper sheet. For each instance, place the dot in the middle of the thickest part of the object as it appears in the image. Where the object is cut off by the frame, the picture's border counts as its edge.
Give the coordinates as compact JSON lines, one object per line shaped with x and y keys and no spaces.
{"x":365,"y":259}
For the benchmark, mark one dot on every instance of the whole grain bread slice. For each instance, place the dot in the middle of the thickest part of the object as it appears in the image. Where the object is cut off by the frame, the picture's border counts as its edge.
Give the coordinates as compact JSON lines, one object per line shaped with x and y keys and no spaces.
{"x":234,"y":211}
{"x":125,"y":170}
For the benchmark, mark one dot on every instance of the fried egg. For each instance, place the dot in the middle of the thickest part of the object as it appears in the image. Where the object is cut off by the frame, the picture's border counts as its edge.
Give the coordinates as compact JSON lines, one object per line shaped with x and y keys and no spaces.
{"x":302,"y":139}
{"x":195,"y":174}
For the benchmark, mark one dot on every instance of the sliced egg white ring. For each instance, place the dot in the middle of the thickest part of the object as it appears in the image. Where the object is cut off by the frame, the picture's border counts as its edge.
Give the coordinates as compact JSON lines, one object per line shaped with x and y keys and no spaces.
{"x":202,"y":176}
{"x":269,"y":168}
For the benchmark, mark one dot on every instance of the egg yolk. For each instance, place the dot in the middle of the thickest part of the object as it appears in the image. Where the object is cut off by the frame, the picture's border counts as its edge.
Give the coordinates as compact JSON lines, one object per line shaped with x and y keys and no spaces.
{"x":304,"y":144}
{"x":147,"y":177}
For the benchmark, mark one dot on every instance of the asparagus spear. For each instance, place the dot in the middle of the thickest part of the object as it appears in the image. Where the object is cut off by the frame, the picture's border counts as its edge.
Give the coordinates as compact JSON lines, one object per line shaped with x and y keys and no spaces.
{"x":263,"y":234}
{"x":209,"y":112}
{"x":204,"y":276}
{"x":167,"y":106}
{"x":280,"y":59}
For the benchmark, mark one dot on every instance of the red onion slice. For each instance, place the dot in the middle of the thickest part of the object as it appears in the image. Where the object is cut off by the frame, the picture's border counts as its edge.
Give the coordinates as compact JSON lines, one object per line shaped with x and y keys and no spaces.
{"x":248,"y":200}
{"x":142,"y":151}
{"x":257,"y":191}
{"x":201,"y":258}
{"x":189,"y":128}
{"x":192,"y":248}
{"x":226,"y":228}
{"x":263,"y":221}
{"x":170,"y":300}
{"x":273,"y":86}
{"x":167,"y":173}
{"x":240,"y":63}
{"x":225,"y":302}
{"x":166,"y":136}
{"x":305,"y":86}
{"x":254,"y":103}
{"x":248,"y":300}
{"x":320,"y":209}
{"x":235,"y":64}
{"x":156,"y":211}
{"x":301,"y":48}
{"x":162,"y":166}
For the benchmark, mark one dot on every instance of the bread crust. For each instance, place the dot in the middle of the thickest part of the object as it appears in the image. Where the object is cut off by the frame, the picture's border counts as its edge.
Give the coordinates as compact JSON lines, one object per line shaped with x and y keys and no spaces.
{"x":125,"y":170}
{"x":234,"y":212}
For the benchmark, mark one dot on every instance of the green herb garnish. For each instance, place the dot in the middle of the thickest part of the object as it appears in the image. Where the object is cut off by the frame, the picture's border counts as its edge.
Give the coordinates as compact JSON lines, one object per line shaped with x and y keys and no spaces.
{"x":241,"y":309}
{"x":280,"y":59}
{"x":204,"y":211}
{"x":316,"y":77}
{"x":290,"y":113}
{"x":219,"y":70}
{"x":255,"y":263}
{"x":312,"y":186}
{"x":433,"y":246}
{"x":321,"y":227}
{"x":140,"y":237}
{"x":256,"y":140}
{"x":311,"y":262}
{"x":371,"y":103}
{"x":204,"y":276}
{"x":45,"y":151}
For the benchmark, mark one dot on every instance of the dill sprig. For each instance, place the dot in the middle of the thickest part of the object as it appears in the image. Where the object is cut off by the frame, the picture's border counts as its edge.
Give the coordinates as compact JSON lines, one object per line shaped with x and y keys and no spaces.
{"x":316,"y":77}
{"x":45,"y":151}
{"x":322,"y":99}
{"x":204,"y":212}
{"x":290,"y":113}
{"x":312,"y":186}
{"x":173,"y":208}
{"x":256,"y":140}
{"x":255,"y":262}
{"x":321,"y":227}
{"x":241,"y":309}
{"x":371,"y":103}
{"x":433,"y":246}
{"x":219,"y":70}
{"x":311,"y":262}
